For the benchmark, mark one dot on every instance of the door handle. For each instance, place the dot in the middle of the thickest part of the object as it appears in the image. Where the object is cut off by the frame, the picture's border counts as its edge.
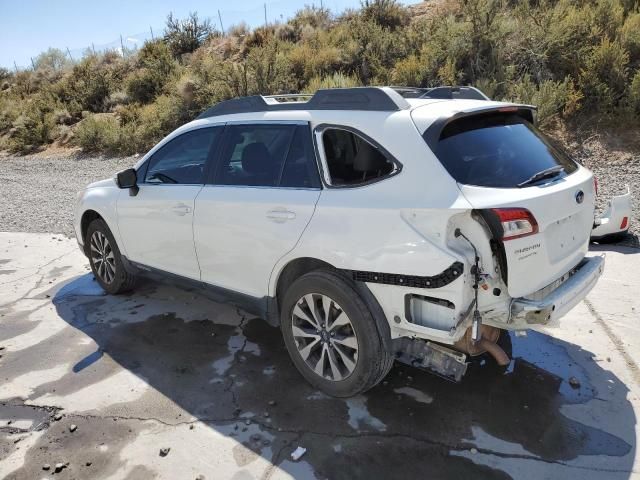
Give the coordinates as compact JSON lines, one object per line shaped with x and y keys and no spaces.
{"x":280,"y":215}
{"x":181,"y":209}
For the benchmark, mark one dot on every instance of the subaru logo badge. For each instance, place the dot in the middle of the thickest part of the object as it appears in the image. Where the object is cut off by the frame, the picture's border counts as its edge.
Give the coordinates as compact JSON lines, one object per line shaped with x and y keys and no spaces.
{"x":579,"y":196}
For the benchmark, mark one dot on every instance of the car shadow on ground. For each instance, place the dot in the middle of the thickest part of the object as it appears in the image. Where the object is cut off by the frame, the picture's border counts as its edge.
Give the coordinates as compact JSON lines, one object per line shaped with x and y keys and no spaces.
{"x":628,"y":242}
{"x":625,"y":249}
{"x":236,"y":372}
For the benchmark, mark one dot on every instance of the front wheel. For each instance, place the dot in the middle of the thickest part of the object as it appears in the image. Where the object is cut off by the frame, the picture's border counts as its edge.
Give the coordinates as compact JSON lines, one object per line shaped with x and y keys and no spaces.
{"x":105,"y":259}
{"x":331,"y":335}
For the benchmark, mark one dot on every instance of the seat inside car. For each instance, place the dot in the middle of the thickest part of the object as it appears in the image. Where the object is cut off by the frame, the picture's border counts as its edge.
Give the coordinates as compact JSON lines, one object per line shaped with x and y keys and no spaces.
{"x":258,"y":164}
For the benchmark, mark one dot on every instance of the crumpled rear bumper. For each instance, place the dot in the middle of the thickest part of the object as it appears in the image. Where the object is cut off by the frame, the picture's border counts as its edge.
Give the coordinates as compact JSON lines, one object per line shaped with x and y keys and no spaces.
{"x":555,"y":301}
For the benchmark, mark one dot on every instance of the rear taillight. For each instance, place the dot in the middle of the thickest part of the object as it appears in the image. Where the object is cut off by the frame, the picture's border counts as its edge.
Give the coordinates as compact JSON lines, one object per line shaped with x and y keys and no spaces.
{"x":515,"y":222}
{"x":624,"y":223}
{"x":595,"y":184}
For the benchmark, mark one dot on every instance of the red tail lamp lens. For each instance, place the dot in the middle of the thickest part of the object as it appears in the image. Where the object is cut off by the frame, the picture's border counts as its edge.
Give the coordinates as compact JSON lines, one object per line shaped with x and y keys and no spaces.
{"x":624,"y":223}
{"x":516,"y":222}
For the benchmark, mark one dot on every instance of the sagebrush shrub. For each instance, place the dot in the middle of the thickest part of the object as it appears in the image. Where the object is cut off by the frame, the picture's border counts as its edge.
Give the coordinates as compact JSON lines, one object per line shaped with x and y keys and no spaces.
{"x":552,"y":98}
{"x":337,"y":80}
{"x":604,"y":76}
{"x":98,"y":133}
{"x":186,"y":35}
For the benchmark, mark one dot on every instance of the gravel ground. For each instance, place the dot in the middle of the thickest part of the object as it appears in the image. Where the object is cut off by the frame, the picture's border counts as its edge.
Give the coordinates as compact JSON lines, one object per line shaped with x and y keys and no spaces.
{"x":38,"y":191}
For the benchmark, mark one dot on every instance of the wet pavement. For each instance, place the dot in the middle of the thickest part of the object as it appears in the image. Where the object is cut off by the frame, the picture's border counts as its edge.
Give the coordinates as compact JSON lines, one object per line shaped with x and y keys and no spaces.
{"x":165,"y":368}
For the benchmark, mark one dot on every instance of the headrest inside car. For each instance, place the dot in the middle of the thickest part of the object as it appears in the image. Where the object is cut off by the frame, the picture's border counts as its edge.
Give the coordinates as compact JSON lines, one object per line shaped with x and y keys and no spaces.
{"x":256,"y":158}
{"x":368,"y":159}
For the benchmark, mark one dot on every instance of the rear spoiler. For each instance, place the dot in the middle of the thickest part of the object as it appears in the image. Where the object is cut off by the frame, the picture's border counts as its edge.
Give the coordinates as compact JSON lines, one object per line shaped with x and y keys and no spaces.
{"x":432,"y":134}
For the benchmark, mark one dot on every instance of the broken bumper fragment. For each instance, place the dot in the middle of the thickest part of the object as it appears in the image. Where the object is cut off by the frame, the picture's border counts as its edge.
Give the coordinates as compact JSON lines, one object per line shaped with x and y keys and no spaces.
{"x":615,"y":219}
{"x":555,"y":300}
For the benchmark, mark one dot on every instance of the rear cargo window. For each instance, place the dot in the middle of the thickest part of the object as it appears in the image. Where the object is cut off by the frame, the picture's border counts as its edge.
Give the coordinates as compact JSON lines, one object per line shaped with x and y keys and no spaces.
{"x":498,"y":150}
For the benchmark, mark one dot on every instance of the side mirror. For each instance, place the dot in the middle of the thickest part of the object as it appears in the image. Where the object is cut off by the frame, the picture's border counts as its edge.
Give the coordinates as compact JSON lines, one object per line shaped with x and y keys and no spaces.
{"x":128,"y":179}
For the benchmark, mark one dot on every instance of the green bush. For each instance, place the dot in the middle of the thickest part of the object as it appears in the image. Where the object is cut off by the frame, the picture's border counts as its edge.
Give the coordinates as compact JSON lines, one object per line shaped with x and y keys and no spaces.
{"x":372,"y":51}
{"x":307,"y":61}
{"x":630,"y":37}
{"x":36,"y":123}
{"x":634,"y":94}
{"x":5,"y":74}
{"x":54,"y":60}
{"x":186,"y":35}
{"x":133,"y":129}
{"x":312,"y":16}
{"x":99,"y":133}
{"x":155,"y":67}
{"x":268,"y":69}
{"x":91,"y":82}
{"x":154,"y":122}
{"x":386,"y":13}
{"x":604,"y":76}
{"x":552,"y":98}
{"x":337,"y":80}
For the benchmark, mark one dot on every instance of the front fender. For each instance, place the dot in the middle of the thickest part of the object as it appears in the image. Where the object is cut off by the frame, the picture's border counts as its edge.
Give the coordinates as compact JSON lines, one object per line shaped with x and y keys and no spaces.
{"x":103,"y":200}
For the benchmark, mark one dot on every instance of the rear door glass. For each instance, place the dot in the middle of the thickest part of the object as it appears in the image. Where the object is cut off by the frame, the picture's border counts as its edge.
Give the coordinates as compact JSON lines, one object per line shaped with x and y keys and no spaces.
{"x":497,"y":150}
{"x":268,"y":155}
{"x":254,"y":154}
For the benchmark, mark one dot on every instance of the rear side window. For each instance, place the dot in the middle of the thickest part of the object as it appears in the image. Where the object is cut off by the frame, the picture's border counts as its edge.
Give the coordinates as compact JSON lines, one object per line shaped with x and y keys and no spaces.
{"x":498,"y":150}
{"x":267,"y":155}
{"x":352,"y":160}
{"x":182,"y":160}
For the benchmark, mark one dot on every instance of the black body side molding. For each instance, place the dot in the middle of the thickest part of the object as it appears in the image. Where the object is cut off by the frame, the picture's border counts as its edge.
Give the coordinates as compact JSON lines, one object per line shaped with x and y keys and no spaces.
{"x":436,"y":281}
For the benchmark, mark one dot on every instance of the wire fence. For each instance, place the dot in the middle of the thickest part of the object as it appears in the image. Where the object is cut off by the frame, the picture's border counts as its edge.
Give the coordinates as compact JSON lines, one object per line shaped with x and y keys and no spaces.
{"x":222,"y":20}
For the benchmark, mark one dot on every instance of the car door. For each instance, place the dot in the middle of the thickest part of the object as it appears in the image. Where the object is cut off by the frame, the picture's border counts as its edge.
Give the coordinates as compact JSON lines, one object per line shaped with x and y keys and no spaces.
{"x":156,"y":225}
{"x":260,"y":198}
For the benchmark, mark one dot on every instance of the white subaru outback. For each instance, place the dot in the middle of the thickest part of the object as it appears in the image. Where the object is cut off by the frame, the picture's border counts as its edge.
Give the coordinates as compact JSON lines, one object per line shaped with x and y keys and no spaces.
{"x":371,"y":224}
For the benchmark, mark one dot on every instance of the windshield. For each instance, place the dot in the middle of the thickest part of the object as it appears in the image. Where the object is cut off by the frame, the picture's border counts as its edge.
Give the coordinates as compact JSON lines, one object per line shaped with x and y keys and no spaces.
{"x":499,"y":150}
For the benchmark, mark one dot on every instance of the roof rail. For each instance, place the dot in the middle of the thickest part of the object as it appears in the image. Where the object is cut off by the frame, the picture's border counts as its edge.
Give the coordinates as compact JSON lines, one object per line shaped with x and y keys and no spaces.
{"x":378,"y":99}
{"x":466,"y":93}
{"x":411,"y":92}
{"x":452,"y":92}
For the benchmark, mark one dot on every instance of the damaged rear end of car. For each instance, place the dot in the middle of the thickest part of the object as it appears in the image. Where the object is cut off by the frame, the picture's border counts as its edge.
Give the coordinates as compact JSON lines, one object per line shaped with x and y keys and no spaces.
{"x":525,"y":236}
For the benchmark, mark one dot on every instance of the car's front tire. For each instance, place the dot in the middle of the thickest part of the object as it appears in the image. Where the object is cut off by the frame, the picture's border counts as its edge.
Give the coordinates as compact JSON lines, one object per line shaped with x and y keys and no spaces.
{"x":332,"y":336}
{"x":105,"y":259}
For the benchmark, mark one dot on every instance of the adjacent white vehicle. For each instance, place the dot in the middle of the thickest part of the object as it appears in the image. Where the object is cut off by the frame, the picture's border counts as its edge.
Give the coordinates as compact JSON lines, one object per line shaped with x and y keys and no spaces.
{"x":369,"y":225}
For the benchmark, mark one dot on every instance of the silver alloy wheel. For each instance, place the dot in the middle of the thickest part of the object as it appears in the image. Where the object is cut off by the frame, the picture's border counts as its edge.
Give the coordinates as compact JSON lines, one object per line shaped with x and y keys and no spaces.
{"x":102,"y":257}
{"x":324,"y":336}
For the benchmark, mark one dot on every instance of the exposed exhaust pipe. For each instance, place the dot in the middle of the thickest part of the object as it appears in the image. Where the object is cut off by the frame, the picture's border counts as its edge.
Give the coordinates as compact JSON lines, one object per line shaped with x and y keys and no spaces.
{"x":495,"y":351}
{"x":488,"y":337}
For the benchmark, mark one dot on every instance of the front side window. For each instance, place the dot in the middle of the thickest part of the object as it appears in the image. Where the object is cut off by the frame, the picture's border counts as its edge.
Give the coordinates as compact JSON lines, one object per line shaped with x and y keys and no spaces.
{"x":352,"y":160}
{"x":182,"y":160}
{"x":267,"y":155}
{"x":499,"y":151}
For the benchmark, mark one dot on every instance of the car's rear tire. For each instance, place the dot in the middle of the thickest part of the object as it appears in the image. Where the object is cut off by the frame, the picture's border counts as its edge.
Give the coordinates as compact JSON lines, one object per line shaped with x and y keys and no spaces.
{"x":105,"y":259}
{"x":332,"y":336}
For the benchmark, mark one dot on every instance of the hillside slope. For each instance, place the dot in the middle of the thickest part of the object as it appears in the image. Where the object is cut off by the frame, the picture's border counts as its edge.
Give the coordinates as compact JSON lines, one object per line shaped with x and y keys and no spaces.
{"x":578,"y":61}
